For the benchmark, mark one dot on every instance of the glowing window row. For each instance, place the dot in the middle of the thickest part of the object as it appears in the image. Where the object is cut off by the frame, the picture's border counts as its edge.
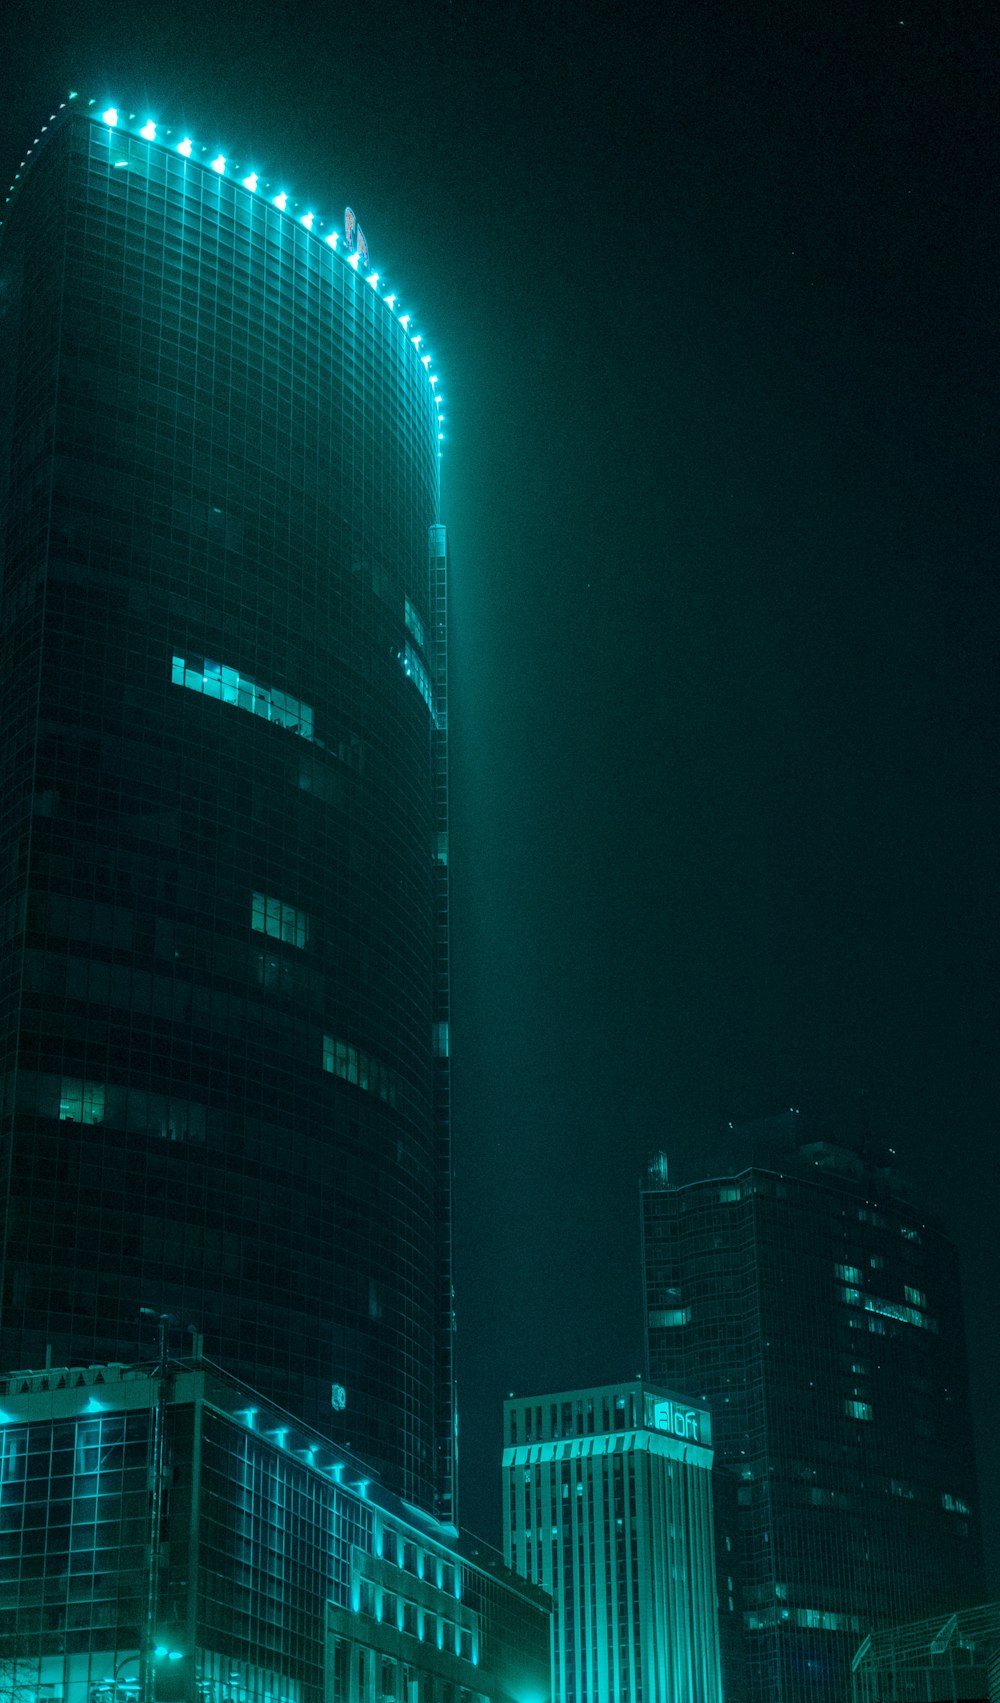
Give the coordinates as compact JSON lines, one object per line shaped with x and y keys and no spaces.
{"x":953,"y":1504}
{"x":815,"y":1619}
{"x":667,"y":1318}
{"x":352,"y":1064}
{"x":416,"y":670}
{"x":216,"y":680}
{"x":392,"y":1609}
{"x":907,"y":1315}
{"x":73,"y":1100}
{"x":282,"y":922}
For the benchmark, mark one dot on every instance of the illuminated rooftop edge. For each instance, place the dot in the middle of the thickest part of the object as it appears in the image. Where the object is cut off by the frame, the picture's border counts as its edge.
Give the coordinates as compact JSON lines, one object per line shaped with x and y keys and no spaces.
{"x":355,"y":248}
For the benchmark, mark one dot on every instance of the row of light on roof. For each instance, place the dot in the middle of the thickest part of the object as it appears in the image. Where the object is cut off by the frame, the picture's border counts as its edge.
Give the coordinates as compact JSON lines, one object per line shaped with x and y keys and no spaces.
{"x":148,"y":131}
{"x":185,"y":148}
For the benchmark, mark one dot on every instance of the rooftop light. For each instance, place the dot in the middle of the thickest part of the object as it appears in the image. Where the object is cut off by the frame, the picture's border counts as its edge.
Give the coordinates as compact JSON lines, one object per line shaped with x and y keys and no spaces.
{"x":390,"y":301}
{"x":307,"y":220}
{"x":333,"y":239}
{"x":148,"y":131}
{"x":280,"y":201}
{"x":250,"y":182}
{"x":373,"y":280}
{"x":353,"y":261}
{"x":416,"y":341}
{"x":404,"y":320}
{"x":186,"y":147}
{"x":219,"y":164}
{"x":110,"y":118}
{"x":425,"y":360}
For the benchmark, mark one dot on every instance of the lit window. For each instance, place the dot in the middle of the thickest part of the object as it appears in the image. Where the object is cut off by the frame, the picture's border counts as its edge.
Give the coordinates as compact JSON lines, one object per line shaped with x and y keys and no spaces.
{"x":415,"y":625}
{"x":847,"y":1273}
{"x":954,"y":1504}
{"x":917,"y":1296}
{"x":906,"y":1315}
{"x":354,"y":1065}
{"x":229,"y":686}
{"x":282,"y":922}
{"x":81,"y":1102}
{"x":416,"y":670}
{"x":858,"y":1409}
{"x":668,"y":1317}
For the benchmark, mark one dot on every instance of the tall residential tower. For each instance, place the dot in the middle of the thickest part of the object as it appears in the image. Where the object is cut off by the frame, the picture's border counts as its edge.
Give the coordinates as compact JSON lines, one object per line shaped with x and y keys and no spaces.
{"x":223,"y":852}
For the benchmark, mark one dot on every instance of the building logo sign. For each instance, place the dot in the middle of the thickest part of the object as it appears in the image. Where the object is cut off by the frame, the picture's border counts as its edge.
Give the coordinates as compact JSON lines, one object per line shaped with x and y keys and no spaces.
{"x":690,"y":1424}
{"x":354,"y":236}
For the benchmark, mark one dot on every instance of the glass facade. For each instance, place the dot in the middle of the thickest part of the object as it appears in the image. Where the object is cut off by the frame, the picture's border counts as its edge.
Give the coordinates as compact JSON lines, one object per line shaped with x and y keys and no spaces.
{"x":223,"y":851}
{"x":820,"y":1316}
{"x":608,"y":1506}
{"x":283,"y":1572}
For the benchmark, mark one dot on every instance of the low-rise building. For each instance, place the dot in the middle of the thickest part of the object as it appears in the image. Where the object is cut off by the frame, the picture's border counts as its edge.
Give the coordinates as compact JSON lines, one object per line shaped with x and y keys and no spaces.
{"x":168,"y":1537}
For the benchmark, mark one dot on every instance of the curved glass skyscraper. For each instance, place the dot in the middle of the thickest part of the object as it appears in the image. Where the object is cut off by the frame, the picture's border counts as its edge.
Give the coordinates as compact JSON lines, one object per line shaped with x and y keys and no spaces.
{"x":223,"y":848}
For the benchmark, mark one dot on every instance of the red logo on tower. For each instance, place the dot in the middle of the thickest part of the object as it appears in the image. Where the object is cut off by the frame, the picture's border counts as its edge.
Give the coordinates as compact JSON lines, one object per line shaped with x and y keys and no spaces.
{"x":354,"y":236}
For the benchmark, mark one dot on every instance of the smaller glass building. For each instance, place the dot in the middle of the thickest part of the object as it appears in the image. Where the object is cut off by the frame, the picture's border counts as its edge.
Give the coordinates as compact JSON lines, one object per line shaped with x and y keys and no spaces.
{"x":608,"y":1506}
{"x":281,"y":1571}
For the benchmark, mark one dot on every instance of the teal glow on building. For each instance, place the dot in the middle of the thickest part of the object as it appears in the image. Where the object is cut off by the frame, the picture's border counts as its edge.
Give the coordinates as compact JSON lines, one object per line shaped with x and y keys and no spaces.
{"x":224,"y":1073}
{"x":608,"y":1506}
{"x":283,"y":1571}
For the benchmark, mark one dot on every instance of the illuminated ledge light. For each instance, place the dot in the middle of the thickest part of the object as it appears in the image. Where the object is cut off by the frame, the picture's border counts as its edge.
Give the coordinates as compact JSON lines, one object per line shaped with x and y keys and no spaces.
{"x":111,"y":117}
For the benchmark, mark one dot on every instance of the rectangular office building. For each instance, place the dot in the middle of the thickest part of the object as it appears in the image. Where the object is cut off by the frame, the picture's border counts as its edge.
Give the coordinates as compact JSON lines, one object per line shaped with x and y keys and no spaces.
{"x":608,"y":1506}
{"x":166,"y":1536}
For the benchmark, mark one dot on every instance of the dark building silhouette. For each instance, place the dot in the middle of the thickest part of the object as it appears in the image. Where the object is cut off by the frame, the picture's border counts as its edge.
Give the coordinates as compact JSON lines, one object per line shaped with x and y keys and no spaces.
{"x":223,"y":854}
{"x":802,"y":1295}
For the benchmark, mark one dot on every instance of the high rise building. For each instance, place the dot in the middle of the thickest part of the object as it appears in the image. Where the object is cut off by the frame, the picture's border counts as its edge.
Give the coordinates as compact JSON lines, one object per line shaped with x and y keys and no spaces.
{"x":804,"y":1297}
{"x":608,"y":1506}
{"x":223,"y":852}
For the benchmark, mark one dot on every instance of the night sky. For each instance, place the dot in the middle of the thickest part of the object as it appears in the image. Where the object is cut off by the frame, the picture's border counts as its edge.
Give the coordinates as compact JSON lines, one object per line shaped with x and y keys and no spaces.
{"x":711,"y":291}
